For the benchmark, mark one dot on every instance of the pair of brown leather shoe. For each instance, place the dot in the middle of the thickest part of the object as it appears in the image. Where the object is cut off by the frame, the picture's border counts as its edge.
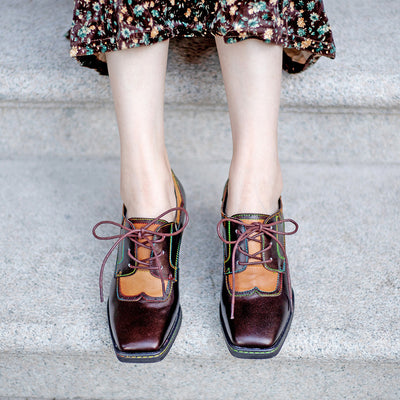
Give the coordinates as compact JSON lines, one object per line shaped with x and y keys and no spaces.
{"x":143,"y":307}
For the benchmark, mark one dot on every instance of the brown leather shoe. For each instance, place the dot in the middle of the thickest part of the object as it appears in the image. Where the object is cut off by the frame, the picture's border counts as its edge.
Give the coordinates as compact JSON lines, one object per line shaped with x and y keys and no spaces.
{"x":143,"y":307}
{"x":257,"y":300}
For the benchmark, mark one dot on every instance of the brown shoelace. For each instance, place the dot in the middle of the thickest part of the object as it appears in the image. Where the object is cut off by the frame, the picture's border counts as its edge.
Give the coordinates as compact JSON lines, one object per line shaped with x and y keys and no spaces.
{"x":257,"y":229}
{"x":137,"y":236}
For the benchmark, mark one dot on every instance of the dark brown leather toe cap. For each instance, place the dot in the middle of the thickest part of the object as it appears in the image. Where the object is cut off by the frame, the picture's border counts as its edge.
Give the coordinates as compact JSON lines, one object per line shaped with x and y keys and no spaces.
{"x":141,"y":327}
{"x":259,"y":321}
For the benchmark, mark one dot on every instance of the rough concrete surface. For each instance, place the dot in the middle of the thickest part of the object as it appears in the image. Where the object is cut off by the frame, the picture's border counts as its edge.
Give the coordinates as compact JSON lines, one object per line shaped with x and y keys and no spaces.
{"x":59,"y":175}
{"x":83,"y":377}
{"x":344,"y":266}
{"x":202,"y":134}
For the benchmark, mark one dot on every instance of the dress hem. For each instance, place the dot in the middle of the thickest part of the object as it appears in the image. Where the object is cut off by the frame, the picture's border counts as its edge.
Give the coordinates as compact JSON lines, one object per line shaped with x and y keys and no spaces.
{"x":93,"y":54}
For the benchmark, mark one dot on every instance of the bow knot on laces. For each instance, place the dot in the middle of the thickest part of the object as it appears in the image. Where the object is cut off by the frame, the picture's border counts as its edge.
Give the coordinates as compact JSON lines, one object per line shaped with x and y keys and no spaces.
{"x":144,"y":237}
{"x":140,"y":232}
{"x":254,"y":231}
{"x":257,"y":227}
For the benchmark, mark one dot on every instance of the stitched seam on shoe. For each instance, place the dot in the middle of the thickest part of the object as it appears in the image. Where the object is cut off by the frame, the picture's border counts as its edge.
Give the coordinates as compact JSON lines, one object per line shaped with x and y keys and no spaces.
{"x":284,"y":240}
{"x":280,"y":271}
{"x":122,"y":253}
{"x":275,"y":217}
{"x":229,"y":239}
{"x":276,"y":292}
{"x":144,"y":296}
{"x":255,"y":289}
{"x":177,"y":260}
{"x":253,"y":352}
{"x":247,"y":215}
{"x":173,"y":265}
{"x":176,"y":266}
{"x":135,"y":269}
{"x":178,"y":188}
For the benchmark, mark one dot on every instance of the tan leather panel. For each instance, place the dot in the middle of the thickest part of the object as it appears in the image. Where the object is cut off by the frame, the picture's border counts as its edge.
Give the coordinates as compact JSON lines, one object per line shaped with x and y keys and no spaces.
{"x":142,"y":253}
{"x":142,"y":281}
{"x":254,"y":275}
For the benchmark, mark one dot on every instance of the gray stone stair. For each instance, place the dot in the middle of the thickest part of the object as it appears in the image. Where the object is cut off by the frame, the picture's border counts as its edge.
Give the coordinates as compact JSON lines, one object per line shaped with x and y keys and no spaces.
{"x":344,"y":342}
{"x":337,"y":111}
{"x":59,"y":174}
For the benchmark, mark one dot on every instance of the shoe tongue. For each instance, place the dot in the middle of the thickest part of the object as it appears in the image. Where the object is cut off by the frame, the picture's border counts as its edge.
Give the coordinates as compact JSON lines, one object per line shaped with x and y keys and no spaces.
{"x":143,"y":253}
{"x":253,"y":246}
{"x":249,"y":218}
{"x":140,"y":223}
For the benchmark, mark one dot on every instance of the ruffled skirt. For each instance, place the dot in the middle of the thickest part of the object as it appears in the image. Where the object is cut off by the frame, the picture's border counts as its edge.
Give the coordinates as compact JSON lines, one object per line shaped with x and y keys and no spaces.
{"x":300,"y":26}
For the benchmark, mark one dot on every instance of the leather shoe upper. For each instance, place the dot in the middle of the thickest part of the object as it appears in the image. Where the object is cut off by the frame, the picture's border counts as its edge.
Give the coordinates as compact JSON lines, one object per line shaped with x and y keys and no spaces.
{"x":256,"y":300}
{"x":144,"y":294}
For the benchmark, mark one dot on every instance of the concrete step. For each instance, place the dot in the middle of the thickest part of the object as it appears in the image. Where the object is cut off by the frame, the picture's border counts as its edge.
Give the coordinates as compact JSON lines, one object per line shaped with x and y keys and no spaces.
{"x":54,"y":340}
{"x":337,"y":111}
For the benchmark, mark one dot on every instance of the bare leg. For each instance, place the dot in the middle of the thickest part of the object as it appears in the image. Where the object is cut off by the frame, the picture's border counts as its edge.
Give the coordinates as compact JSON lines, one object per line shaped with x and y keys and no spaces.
{"x":137,"y":79}
{"x":252,"y":77}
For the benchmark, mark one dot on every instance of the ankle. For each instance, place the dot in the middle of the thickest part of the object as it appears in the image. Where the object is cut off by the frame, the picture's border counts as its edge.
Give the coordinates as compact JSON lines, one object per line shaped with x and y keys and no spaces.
{"x":148,"y":198}
{"x":254,"y":192}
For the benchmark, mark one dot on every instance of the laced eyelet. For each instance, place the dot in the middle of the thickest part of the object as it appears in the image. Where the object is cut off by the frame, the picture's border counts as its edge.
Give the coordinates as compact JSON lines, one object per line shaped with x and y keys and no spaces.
{"x":251,"y":232}
{"x":134,"y":235}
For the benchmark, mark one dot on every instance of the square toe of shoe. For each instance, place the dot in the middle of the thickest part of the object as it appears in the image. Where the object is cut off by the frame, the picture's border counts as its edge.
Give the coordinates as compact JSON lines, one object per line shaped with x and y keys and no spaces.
{"x":136,"y":328}
{"x":144,"y":345}
{"x":259,"y":326}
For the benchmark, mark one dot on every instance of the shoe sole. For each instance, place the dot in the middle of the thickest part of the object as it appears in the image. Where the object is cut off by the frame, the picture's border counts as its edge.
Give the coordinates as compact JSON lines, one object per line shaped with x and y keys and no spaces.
{"x":254,"y":352}
{"x":148,"y":356}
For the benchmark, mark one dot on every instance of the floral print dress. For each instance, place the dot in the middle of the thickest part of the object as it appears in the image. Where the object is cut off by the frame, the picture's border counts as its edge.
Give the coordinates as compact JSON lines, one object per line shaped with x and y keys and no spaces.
{"x":300,"y":26}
